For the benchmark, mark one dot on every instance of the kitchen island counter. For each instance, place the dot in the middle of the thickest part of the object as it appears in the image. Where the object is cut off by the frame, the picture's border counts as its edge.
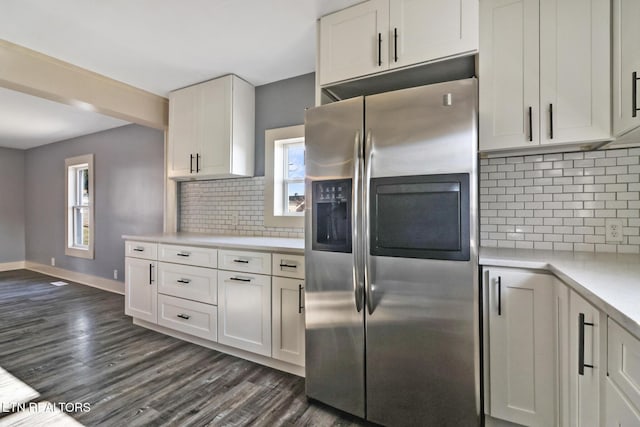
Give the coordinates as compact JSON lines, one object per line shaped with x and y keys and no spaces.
{"x":257,"y":243}
{"x":611,"y":282}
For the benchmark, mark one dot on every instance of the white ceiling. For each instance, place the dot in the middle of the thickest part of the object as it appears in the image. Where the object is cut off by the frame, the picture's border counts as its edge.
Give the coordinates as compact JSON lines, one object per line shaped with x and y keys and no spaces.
{"x":27,"y":121}
{"x":156,"y":45}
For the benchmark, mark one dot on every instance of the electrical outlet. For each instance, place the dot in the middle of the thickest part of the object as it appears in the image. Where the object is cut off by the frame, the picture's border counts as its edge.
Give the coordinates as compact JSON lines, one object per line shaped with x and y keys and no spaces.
{"x":614,"y":230}
{"x":53,"y":262}
{"x":234,"y":219}
{"x":115,"y":274}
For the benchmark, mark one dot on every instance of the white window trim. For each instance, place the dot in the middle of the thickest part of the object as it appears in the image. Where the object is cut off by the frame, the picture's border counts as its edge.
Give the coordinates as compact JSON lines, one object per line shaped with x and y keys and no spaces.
{"x":273,"y":183}
{"x":70,"y":249}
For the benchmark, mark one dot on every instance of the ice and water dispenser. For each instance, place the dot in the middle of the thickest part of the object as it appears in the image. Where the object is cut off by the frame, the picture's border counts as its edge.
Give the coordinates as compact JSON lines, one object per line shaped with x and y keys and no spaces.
{"x":332,"y":215}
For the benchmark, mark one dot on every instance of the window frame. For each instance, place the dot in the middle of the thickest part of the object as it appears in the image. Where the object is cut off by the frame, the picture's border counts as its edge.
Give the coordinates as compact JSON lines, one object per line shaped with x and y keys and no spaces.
{"x":275,"y":202}
{"x":73,"y":194}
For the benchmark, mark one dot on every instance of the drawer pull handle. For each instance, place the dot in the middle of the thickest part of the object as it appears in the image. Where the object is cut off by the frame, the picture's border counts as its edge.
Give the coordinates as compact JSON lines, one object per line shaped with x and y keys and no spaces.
{"x":582,"y":324}
{"x":138,"y":249}
{"x":185,"y":281}
{"x":300,"y":306}
{"x":241,"y":261}
{"x":183,"y":254}
{"x":288,"y":266}
{"x":151,"y":274}
{"x":239,"y":279}
{"x":184,"y":316}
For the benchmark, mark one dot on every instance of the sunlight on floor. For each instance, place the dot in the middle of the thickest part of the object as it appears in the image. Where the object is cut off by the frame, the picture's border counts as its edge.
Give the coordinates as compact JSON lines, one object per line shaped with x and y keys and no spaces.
{"x":14,"y":394}
{"x":13,"y":391}
{"x":45,"y":414}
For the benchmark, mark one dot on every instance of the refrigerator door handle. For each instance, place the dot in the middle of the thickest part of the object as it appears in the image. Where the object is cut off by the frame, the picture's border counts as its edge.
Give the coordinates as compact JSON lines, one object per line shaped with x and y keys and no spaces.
{"x":368,"y":156}
{"x":355,"y":219}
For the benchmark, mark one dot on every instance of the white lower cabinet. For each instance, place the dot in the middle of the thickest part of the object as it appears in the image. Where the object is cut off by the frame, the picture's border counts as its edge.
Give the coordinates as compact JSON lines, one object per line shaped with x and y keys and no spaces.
{"x":623,"y":383}
{"x":584,"y":362}
{"x":619,"y":411}
{"x":521,"y":346}
{"x":288,"y":320}
{"x":140,"y":289}
{"x":221,"y":295}
{"x":191,"y":317}
{"x":185,"y":281}
{"x":244,"y":311}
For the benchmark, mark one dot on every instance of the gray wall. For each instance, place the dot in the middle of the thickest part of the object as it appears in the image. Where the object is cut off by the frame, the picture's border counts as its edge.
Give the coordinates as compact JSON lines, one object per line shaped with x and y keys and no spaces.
{"x":11,"y":205}
{"x":128,"y":196}
{"x":281,"y":104}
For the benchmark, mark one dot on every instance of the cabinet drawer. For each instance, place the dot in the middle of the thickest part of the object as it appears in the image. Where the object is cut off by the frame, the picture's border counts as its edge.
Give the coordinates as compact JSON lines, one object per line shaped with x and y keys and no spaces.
{"x":624,"y":361}
{"x":284,"y":265}
{"x":246,"y":262}
{"x":146,"y":250}
{"x":202,"y":257}
{"x":186,"y":281}
{"x":191,"y":317}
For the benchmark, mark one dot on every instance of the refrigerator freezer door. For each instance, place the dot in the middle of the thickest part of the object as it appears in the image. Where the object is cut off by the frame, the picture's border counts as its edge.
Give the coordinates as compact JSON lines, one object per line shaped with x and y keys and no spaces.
{"x":334,"y":325}
{"x":422,"y":334}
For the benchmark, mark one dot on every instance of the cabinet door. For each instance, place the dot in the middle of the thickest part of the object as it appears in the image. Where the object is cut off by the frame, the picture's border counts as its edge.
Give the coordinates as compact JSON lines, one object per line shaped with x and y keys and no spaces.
{"x":575,"y":64}
{"x":244,"y":311}
{"x":584,"y":350}
{"x":183,"y":132}
{"x":619,"y":412}
{"x":424,"y":30}
{"x":288,"y":320}
{"x":509,"y":74}
{"x":140,"y":296}
{"x":521,"y":347}
{"x":626,"y":61}
{"x":354,"y":41}
{"x":214,"y":126}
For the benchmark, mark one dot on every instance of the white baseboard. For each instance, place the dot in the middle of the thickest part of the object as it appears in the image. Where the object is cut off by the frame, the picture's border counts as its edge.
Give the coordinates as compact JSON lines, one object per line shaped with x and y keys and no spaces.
{"x":82,"y":278}
{"x":257,"y":358}
{"x":8,"y":266}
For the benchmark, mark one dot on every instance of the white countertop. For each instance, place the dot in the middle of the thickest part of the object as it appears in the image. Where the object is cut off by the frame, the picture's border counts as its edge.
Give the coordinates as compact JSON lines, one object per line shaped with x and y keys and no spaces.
{"x":611,"y":282}
{"x":272,"y":244}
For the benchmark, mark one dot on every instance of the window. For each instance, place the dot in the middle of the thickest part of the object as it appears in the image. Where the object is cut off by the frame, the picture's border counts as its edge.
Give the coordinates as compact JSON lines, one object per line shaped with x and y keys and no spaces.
{"x":293,"y":175}
{"x":79,"y":213}
{"x":284,"y":177}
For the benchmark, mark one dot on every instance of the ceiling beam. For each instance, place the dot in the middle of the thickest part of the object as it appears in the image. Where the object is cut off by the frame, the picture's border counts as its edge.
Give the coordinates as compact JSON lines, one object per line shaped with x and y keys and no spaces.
{"x":34,"y":73}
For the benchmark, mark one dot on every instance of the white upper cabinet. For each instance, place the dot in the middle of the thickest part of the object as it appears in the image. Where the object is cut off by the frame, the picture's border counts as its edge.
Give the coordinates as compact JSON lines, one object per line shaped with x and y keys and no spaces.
{"x":379,"y":35}
{"x":626,"y":62}
{"x":211,"y":130}
{"x":351,"y":41}
{"x":544,"y":73}
{"x":509,"y":74}
{"x":422,"y":30}
{"x":575,"y":76}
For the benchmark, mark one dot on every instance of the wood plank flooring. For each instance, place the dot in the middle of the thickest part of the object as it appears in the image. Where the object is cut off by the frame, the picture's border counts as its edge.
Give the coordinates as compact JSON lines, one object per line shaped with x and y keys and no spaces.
{"x":74,"y":344}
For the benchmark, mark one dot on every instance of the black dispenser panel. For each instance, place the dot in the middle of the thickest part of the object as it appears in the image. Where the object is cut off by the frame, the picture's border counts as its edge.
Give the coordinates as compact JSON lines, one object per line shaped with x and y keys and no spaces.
{"x":332,"y":215}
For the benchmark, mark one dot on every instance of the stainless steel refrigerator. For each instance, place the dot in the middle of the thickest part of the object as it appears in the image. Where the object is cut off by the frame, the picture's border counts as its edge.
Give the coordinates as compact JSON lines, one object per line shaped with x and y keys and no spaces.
{"x":391,"y":291}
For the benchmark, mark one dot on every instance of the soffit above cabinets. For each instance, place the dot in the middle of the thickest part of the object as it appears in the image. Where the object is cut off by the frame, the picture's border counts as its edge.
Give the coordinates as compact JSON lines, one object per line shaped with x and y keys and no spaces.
{"x":162,"y":45}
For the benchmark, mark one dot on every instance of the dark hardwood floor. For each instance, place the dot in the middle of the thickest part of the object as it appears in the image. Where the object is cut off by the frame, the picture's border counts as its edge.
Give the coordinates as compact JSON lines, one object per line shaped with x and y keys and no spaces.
{"x":74,"y":344}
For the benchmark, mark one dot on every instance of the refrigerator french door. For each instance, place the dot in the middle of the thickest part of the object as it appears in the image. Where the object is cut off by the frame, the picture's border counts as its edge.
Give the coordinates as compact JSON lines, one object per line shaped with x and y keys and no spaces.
{"x":391,"y":290}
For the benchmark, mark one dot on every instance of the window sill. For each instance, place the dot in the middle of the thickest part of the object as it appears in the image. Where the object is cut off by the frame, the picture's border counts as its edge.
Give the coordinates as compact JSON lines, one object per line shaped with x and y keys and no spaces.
{"x":79,"y":253}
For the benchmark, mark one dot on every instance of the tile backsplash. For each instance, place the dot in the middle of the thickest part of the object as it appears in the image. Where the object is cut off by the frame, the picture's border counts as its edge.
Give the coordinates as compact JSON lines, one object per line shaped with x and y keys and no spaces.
{"x":210,"y":207}
{"x":561,"y":201}
{"x":552,"y":201}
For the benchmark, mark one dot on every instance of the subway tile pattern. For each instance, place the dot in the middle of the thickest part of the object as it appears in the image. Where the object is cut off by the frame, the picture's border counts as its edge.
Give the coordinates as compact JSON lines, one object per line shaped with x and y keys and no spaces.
{"x":209,"y":207}
{"x":561,"y":201}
